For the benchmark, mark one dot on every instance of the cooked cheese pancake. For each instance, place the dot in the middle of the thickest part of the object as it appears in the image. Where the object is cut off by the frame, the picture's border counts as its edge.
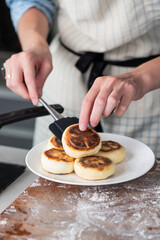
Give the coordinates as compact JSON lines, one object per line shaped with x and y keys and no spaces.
{"x":57,"y":161}
{"x":94,"y":167}
{"x":54,"y":143}
{"x":112,"y":150}
{"x":78,"y":143}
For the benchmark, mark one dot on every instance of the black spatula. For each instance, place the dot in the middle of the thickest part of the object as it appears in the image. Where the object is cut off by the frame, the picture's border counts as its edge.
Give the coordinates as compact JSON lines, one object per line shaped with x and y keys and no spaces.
{"x":60,"y":123}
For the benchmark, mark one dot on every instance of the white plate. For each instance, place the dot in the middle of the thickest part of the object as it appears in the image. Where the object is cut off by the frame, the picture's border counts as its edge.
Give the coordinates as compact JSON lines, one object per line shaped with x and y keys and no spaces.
{"x":138,"y":161}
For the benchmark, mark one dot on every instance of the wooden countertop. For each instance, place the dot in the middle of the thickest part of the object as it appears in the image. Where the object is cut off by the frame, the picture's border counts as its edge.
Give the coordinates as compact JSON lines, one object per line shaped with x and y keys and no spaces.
{"x":52,"y":211}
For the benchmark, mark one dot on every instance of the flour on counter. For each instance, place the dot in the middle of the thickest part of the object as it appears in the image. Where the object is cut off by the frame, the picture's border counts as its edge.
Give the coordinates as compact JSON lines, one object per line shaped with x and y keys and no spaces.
{"x":127,"y":211}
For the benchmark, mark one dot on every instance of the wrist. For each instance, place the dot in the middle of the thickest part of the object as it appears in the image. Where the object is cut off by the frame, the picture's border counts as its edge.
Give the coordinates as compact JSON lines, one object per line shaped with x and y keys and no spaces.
{"x":149,"y":75}
{"x":36,"y":42}
{"x":145,"y":79}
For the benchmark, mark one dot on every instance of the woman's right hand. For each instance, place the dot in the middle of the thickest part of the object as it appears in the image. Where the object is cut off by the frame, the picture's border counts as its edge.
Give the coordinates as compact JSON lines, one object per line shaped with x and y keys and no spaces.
{"x":27,"y":71}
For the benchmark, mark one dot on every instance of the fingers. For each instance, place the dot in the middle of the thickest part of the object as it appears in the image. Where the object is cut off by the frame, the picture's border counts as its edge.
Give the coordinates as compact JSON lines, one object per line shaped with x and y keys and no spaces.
{"x":29,"y":78}
{"x":86,"y":108}
{"x":112,"y":101}
{"x":126,"y":98}
{"x":22,"y":80}
{"x":98,"y":107}
{"x":15,"y":79}
{"x":107,"y":94}
{"x":94,"y":103}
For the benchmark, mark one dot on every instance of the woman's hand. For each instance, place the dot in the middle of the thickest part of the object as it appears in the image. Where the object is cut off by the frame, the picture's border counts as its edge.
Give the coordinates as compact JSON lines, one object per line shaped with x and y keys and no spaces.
{"x":21,"y":69}
{"x":117,"y":92}
{"x":27,"y":71}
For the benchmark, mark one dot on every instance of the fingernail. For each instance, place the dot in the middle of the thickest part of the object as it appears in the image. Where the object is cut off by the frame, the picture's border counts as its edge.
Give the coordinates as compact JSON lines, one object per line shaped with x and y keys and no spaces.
{"x":82,"y":127}
{"x":34,"y":101}
{"x":39,"y":92}
{"x":93,"y":124}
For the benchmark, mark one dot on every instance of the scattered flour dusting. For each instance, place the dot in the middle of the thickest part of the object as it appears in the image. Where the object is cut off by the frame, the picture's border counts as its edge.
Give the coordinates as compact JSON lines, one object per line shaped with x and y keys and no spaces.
{"x":128,"y":211}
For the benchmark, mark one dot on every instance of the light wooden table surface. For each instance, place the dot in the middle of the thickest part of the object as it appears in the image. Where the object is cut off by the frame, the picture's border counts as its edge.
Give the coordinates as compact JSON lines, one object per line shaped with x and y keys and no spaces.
{"x":47,"y":210}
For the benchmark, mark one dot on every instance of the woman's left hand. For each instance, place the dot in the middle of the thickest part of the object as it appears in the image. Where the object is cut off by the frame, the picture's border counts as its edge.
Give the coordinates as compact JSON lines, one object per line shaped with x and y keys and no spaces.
{"x":109,"y":93}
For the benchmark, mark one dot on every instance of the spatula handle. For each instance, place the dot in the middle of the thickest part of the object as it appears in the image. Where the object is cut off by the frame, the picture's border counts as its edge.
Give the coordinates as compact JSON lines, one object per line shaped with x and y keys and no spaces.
{"x":51,"y":110}
{"x":23,"y":114}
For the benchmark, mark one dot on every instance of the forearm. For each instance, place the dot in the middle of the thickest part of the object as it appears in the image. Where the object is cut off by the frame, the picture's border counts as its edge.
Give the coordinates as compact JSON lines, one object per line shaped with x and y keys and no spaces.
{"x":33,"y":29}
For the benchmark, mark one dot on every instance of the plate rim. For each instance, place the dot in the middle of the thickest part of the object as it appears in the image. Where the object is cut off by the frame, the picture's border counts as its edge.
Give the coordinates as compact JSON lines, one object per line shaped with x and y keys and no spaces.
{"x":87,"y":182}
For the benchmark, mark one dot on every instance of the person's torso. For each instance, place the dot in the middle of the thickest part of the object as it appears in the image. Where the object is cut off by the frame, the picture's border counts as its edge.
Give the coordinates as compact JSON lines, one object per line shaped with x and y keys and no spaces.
{"x":121,"y":28}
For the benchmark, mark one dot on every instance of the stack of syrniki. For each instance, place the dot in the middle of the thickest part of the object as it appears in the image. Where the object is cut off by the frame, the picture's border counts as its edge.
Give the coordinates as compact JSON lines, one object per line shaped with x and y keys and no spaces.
{"x":94,"y":167}
{"x":57,"y":161}
{"x":112,"y":150}
{"x":82,"y":152}
{"x":54,"y":143}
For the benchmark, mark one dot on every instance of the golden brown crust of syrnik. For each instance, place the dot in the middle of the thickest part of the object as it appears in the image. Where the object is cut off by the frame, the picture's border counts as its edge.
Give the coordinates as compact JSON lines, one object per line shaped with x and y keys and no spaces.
{"x":57,"y":155}
{"x":55,"y":141}
{"x":110,"y":146}
{"x":96,"y":162}
{"x":81,"y":140}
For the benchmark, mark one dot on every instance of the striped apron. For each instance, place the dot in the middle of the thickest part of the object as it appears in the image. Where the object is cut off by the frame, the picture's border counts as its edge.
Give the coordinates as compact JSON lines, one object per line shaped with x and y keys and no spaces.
{"x":120,"y":29}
